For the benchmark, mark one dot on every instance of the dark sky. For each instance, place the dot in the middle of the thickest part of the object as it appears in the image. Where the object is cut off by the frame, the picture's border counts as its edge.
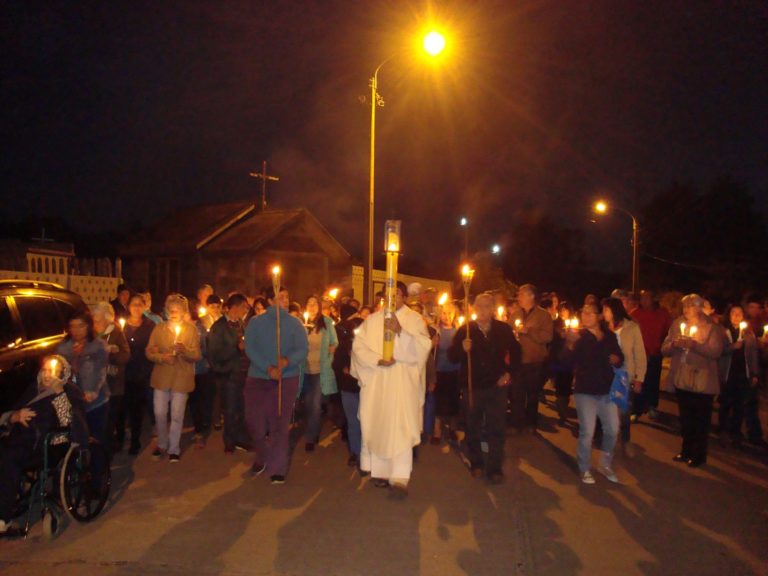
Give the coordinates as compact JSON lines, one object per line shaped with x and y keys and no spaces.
{"x":115,"y":112}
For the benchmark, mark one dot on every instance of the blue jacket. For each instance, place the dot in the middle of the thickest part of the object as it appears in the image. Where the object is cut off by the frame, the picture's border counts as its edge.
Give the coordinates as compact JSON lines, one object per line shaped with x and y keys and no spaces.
{"x":327,"y":376}
{"x":261,"y":344}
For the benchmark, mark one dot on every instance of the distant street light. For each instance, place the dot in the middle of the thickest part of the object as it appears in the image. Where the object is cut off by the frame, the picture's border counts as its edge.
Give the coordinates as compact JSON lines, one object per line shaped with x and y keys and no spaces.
{"x":433,"y":45}
{"x":602,"y":207}
{"x":464,"y":223}
{"x":495,"y":249}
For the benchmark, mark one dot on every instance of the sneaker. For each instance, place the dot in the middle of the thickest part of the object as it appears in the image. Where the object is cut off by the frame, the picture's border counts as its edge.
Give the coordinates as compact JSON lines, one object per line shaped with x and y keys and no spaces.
{"x":157,"y":454}
{"x":277,"y":479}
{"x":587,"y":478}
{"x":608,"y":472}
{"x":256,"y":469}
{"x":173,"y":458}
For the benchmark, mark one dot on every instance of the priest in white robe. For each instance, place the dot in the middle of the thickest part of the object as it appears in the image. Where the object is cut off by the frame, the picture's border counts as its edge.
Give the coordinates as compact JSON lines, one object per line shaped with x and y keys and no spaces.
{"x":391,"y":393}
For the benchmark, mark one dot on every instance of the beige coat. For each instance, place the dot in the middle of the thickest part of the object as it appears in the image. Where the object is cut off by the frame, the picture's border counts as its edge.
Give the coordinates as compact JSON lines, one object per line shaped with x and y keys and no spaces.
{"x":631,"y":343}
{"x":539,"y":332}
{"x":179,"y":376}
{"x":705,"y":353}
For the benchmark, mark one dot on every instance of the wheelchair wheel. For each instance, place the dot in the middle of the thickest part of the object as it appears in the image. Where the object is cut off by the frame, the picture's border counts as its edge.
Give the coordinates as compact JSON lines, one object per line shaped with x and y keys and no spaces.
{"x":51,"y":523}
{"x":85,"y":481}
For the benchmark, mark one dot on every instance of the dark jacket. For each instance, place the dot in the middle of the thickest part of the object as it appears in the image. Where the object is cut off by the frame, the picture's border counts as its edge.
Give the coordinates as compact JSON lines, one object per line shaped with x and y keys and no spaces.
{"x":224,"y":355}
{"x":492,"y":354}
{"x":139,"y":367}
{"x":345,"y":332}
{"x":117,"y":360}
{"x":46,"y":419}
{"x":589,"y":357}
{"x":89,"y":369}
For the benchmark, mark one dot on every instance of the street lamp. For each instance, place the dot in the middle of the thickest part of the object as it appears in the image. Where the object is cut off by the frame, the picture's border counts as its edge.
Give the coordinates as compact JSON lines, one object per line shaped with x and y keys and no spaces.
{"x":433,"y":44}
{"x":496,"y":249}
{"x":601,"y":207}
{"x":464,"y":223}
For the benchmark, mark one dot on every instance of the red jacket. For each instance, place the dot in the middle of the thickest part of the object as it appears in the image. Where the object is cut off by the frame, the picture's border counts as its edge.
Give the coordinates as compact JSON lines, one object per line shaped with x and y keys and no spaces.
{"x":654,"y":325}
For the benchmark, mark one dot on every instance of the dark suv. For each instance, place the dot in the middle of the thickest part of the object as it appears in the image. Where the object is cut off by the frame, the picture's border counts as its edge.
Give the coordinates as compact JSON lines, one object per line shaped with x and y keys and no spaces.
{"x":33,"y":319}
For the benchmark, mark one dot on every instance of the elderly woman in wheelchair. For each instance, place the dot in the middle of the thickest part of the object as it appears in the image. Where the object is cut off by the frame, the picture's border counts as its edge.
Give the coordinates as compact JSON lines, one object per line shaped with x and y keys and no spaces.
{"x":47,"y":457}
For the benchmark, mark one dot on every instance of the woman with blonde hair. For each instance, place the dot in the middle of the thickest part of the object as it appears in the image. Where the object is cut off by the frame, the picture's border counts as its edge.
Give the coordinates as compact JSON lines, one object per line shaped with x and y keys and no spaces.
{"x":174,"y":347}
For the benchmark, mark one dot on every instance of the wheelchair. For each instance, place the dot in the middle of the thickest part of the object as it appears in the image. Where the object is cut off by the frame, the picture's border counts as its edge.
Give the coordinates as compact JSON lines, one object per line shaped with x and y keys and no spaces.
{"x":73,"y":480}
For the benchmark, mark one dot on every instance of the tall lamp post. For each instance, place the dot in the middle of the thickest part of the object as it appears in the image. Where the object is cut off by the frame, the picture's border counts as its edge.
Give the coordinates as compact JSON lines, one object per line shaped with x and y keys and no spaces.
{"x":602,"y":207}
{"x":433,"y":44}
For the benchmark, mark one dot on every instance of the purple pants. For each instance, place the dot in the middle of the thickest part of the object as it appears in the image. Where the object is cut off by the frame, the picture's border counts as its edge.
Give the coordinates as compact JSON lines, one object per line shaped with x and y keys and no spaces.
{"x":261,"y":418}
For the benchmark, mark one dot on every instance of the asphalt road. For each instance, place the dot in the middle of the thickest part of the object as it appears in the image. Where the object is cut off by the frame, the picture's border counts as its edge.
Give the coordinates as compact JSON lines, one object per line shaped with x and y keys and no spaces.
{"x":202,"y":516}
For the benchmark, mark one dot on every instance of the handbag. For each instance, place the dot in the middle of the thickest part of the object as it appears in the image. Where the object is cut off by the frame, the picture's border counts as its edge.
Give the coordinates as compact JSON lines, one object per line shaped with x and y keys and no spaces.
{"x":691,"y":378}
{"x":619,"y":392}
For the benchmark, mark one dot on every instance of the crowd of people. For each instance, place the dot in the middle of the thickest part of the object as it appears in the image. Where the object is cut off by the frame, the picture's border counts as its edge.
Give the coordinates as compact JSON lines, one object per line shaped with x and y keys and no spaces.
{"x":257,"y":367}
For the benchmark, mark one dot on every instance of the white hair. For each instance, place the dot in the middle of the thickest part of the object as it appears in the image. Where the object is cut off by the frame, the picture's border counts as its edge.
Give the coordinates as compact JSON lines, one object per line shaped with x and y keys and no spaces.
{"x":104,"y":309}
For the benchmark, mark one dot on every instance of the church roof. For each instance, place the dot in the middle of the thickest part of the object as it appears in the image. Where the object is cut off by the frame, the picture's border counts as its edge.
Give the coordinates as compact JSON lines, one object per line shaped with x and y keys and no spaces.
{"x":233,"y":227}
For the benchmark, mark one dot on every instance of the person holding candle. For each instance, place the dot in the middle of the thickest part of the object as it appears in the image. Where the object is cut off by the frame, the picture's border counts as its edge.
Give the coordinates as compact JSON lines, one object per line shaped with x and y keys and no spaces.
{"x":534,"y":329}
{"x":695,"y":344}
{"x":495,"y":360}
{"x":49,"y":403}
{"x":88,"y":357}
{"x":630,"y":339}
{"x":268,"y":376}
{"x":391,"y":393}
{"x":174,"y":347}
{"x":592,"y":352}
{"x":138,"y":394}
{"x":739,"y":374}
{"x":319,"y":378}
{"x":560,"y":372}
{"x":229,"y":364}
{"x":119,"y":353}
{"x":448,"y":389}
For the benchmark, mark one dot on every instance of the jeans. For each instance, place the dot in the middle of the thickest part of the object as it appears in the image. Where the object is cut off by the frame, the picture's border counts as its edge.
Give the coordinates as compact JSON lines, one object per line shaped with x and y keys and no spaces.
{"x":695,"y":419}
{"x":178,"y":401}
{"x":261,"y":416}
{"x":351,"y":403}
{"x":486,"y":420}
{"x":98,"y":420}
{"x":231,"y":391}
{"x":201,"y":401}
{"x":589,"y":408}
{"x":524,"y":395}
{"x":135,"y":402}
{"x":649,"y":396}
{"x":313,"y":403}
{"x":429,"y":415}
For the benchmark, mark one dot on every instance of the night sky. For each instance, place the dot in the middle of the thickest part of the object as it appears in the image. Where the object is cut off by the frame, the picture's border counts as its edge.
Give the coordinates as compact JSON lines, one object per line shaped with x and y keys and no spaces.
{"x":115,"y":112}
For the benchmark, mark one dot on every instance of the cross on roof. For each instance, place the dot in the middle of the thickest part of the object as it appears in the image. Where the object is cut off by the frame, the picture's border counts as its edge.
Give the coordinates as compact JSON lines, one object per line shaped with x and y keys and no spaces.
{"x":264,"y":177}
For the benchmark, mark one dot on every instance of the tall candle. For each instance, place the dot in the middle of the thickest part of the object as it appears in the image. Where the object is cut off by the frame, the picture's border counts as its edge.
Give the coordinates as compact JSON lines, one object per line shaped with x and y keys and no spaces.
{"x":742,"y":327}
{"x":682,"y":328}
{"x":177,"y":330}
{"x":306,"y":318}
{"x":121,"y":321}
{"x":692,"y":331}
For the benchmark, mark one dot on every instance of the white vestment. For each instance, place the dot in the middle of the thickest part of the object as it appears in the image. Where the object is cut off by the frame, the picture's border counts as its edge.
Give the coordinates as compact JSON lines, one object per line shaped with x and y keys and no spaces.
{"x":391,"y":397}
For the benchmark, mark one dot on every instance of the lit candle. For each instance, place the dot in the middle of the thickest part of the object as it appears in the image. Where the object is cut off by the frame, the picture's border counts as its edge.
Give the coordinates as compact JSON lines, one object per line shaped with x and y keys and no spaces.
{"x":682,"y":328}
{"x":333,"y":293}
{"x":54,"y":364}
{"x":443,"y":299}
{"x":765,"y":331}
{"x":567,"y":323}
{"x":306,"y":318}
{"x":202,"y":311}
{"x":518,"y":323}
{"x":500,"y":312}
{"x":474,"y":317}
{"x":461,"y":320}
{"x":574,"y":323}
{"x":692,"y":331}
{"x":121,"y":321}
{"x":177,"y":330}
{"x":742,"y":327}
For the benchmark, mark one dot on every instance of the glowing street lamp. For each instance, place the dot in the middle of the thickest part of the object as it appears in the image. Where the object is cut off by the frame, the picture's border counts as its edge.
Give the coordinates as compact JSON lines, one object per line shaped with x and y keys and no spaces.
{"x":495,"y":249}
{"x":433,"y":44}
{"x":602,"y":207}
{"x":464,"y":223}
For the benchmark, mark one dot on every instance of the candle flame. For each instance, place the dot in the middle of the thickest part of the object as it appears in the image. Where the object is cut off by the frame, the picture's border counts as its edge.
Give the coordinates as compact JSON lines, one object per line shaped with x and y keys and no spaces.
{"x":743,"y":325}
{"x":121,"y":321}
{"x":177,"y":329}
{"x":461,"y":320}
{"x":567,"y":322}
{"x":693,"y":331}
{"x":518,"y":323}
{"x":53,"y":364}
{"x":443,"y":299}
{"x":202,"y":311}
{"x":276,"y":270}
{"x":500,"y":312}
{"x":574,"y":323}
{"x":474,"y":316}
{"x":306,"y":317}
{"x":392,"y":247}
{"x":682,"y":328}
{"x":333,"y":293}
